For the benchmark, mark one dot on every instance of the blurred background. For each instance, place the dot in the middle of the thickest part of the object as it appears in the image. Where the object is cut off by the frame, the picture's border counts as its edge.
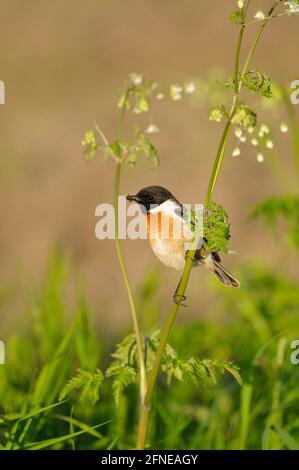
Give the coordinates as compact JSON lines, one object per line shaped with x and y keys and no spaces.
{"x":64,"y":63}
{"x":62,"y":301}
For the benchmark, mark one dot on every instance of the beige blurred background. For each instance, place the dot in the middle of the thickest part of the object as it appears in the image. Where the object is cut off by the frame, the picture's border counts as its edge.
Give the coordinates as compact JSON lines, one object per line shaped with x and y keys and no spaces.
{"x":63,"y":63}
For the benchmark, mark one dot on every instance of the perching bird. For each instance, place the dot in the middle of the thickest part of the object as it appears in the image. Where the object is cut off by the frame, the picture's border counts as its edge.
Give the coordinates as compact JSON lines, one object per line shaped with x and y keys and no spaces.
{"x":171,"y":251}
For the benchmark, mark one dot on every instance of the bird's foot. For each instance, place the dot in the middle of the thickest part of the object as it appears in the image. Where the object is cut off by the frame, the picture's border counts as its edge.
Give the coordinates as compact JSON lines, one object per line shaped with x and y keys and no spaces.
{"x":179,"y":299}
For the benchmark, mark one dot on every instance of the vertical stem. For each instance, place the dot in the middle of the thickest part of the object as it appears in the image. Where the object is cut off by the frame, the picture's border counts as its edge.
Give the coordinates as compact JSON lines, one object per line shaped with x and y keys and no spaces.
{"x":144,"y":417}
{"x":143,"y":381}
{"x":142,"y":427}
{"x":257,"y":38}
{"x":218,"y":162}
{"x":142,"y":369}
{"x":238,"y":51}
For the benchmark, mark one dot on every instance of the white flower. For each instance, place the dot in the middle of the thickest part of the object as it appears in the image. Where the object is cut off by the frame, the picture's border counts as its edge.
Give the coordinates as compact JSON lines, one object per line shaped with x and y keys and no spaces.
{"x":293,"y":6}
{"x":254,"y":142}
{"x":264,"y":129}
{"x":250,"y":130}
{"x":240,"y":4}
{"x":284,"y":127}
{"x":270,"y":144}
{"x":136,"y":78}
{"x":260,"y":157}
{"x":259,"y":15}
{"x":189,"y":88}
{"x":176,"y":92}
{"x":238,"y":132}
{"x":160,"y":96}
{"x":152,"y":129}
{"x":236,"y":152}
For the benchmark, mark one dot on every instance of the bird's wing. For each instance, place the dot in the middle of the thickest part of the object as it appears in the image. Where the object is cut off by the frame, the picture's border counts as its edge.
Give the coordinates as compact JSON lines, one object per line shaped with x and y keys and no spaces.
{"x":192,"y":224}
{"x":193,"y":221}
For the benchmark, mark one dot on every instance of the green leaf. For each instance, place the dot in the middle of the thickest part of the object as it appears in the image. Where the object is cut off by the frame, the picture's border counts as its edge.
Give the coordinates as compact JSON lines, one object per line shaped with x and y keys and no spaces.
{"x":246,"y":402}
{"x":123,"y":377}
{"x":286,"y":438}
{"x":200,"y":371}
{"x":88,"y":382}
{"x":79,"y":424}
{"x":233,"y":370}
{"x":53,"y":372}
{"x":124,"y":368}
{"x":228,"y":83}
{"x":203,"y":372}
{"x":237,"y":17}
{"x":125,"y":353}
{"x":216,"y":228}
{"x":116,"y":148}
{"x":258,"y":82}
{"x":20,"y":417}
{"x":131,"y":159}
{"x":149,"y":150}
{"x":57,"y":440}
{"x":141,"y":145}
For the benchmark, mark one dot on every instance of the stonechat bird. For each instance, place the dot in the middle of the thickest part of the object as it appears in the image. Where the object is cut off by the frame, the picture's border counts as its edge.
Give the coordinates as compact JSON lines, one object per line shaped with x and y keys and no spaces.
{"x":162,"y":209}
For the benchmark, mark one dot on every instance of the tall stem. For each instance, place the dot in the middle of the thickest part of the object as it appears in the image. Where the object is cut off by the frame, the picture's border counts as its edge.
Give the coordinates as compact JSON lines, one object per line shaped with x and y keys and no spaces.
{"x":143,"y":380}
{"x":257,"y":38}
{"x":144,"y":417}
{"x":142,"y":369}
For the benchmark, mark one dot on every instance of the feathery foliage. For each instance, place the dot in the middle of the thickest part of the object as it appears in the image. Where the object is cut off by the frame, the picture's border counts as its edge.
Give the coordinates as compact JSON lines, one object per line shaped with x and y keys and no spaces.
{"x":87,"y":382}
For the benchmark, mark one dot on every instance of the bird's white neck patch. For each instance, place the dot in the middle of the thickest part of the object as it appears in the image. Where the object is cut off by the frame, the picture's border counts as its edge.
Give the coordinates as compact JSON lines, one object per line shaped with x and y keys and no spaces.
{"x":168,"y":207}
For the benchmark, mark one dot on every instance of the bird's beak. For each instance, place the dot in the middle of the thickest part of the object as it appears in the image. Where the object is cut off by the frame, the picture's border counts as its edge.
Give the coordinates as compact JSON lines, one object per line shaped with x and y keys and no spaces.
{"x":134,"y":198}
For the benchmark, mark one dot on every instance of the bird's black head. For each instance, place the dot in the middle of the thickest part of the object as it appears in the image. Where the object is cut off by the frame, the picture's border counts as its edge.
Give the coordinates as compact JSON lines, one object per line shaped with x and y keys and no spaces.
{"x":152,"y":196}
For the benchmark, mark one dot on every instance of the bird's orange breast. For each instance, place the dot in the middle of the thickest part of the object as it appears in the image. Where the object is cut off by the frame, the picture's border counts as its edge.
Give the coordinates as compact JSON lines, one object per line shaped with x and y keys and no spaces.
{"x":160,"y":225}
{"x":166,"y":239}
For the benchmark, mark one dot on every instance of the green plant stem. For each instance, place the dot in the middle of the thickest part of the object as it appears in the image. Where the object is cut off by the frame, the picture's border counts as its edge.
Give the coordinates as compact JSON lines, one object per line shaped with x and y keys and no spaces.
{"x":143,"y":378}
{"x":257,"y":38}
{"x":144,"y":417}
{"x":238,"y":50}
{"x":218,"y":161}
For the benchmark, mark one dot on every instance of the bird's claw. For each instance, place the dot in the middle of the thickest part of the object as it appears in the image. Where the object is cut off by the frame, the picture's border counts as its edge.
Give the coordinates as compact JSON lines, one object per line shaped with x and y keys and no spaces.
{"x":179,"y":299}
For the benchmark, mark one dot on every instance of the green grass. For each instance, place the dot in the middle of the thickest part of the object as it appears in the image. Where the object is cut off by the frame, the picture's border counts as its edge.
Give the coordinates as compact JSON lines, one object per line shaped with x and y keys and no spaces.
{"x":253,"y":328}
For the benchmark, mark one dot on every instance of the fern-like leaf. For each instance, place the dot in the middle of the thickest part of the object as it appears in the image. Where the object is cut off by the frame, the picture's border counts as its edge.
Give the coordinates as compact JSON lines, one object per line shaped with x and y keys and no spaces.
{"x":87,"y":382}
{"x":123,"y":377}
{"x":123,"y":368}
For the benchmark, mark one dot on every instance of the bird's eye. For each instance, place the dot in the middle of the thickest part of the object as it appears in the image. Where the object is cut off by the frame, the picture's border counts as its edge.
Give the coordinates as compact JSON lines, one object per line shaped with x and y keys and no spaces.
{"x":150,"y":198}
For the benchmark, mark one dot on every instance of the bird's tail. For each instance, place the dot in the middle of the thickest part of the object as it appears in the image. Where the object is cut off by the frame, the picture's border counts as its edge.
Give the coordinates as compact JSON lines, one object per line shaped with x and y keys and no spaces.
{"x":221,"y":273}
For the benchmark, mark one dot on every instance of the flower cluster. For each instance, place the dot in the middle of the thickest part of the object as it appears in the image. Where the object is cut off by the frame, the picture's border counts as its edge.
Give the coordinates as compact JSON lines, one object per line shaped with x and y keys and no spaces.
{"x":260,"y":137}
{"x":292,"y":9}
{"x":136,"y":98}
{"x":293,"y":6}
